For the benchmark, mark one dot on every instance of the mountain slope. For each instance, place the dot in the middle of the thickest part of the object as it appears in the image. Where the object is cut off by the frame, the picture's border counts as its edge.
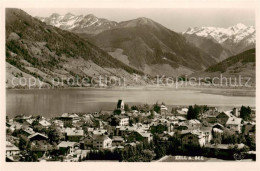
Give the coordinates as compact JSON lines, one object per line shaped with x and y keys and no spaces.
{"x":46,"y":52}
{"x":241,"y":65}
{"x":209,"y":46}
{"x":234,"y":39}
{"x":153,"y":48}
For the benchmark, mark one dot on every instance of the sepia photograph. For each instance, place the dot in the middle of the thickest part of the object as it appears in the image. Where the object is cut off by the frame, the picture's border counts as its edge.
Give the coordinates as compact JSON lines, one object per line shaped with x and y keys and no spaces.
{"x":88,"y":84}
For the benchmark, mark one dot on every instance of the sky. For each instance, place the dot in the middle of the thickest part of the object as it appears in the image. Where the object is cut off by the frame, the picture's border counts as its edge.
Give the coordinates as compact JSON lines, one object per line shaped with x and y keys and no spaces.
{"x":177,"y":19}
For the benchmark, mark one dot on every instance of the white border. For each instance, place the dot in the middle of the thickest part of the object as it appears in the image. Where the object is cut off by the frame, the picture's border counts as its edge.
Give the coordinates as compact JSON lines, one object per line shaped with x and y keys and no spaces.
{"x":120,"y":4}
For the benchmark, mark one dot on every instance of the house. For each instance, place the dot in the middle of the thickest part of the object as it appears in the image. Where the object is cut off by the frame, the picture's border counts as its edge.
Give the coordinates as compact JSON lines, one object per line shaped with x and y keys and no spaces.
{"x":217,"y":128}
{"x":27,"y":131}
{"x":14,"y":125}
{"x":181,"y":111}
{"x":99,"y":132}
{"x":21,"y":118}
{"x":44,"y":123}
{"x":30,"y":121}
{"x":119,"y":120}
{"x":165,"y":136}
{"x":140,"y":135}
{"x":174,"y":120}
{"x":67,"y":121}
{"x":248,"y":128}
{"x":58,"y":123}
{"x":38,"y":137}
{"x":207,"y":133}
{"x":102,"y":142}
{"x":223,"y":117}
{"x":11,"y":150}
{"x":117,"y":141}
{"x":67,"y":147}
{"x":211,"y":119}
{"x":192,"y":138}
{"x":234,"y":124}
{"x":74,"y":135}
{"x":193,"y":123}
{"x":87,"y":142}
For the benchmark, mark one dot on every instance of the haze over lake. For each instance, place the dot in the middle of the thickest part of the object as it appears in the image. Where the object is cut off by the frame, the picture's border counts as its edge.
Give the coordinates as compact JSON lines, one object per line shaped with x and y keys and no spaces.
{"x":53,"y":102}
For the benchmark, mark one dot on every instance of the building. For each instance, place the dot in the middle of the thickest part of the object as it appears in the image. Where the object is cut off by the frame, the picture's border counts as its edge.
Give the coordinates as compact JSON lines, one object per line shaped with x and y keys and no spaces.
{"x":120,"y":105}
{"x":119,"y":120}
{"x":163,"y":110}
{"x":38,"y":137}
{"x":44,"y":123}
{"x":235,"y":112}
{"x":117,"y":141}
{"x":193,"y":124}
{"x":217,"y":128}
{"x":66,"y":119}
{"x":88,"y":142}
{"x":223,"y":117}
{"x":192,"y":138}
{"x":67,"y":147}
{"x":207,"y":133}
{"x":102,"y":142}
{"x":248,"y":128}
{"x":11,"y":150}
{"x":74,"y":135}
{"x":234,"y":124}
{"x":27,"y":131}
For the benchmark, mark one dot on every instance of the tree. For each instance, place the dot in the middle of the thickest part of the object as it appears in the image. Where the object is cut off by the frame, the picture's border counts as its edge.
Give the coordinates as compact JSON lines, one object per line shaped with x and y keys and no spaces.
{"x":134,"y":108}
{"x":148,"y":155}
{"x":23,"y":143}
{"x":245,"y":113}
{"x":193,"y":113}
{"x":126,"y":108}
{"x":152,"y":114}
{"x":53,"y":135}
{"x":156,"y":107}
{"x":117,"y":111}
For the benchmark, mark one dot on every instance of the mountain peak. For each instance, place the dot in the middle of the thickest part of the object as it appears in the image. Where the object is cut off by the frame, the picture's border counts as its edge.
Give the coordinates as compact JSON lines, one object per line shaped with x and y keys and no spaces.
{"x":240,"y":25}
{"x":54,"y":15}
{"x":90,"y":16}
{"x":69,"y":14}
{"x":138,"y":22}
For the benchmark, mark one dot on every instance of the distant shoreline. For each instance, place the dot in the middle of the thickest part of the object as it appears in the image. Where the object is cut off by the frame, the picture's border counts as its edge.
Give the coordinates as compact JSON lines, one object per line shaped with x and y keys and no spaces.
{"x":225,"y":91}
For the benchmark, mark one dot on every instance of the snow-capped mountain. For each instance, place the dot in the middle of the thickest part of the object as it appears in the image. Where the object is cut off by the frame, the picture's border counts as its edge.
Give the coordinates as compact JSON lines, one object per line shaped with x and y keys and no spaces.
{"x":79,"y":23}
{"x":236,"y":38}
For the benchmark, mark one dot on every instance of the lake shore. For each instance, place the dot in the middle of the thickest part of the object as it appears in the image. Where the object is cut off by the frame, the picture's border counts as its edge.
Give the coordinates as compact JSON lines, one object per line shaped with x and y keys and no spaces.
{"x":225,"y":91}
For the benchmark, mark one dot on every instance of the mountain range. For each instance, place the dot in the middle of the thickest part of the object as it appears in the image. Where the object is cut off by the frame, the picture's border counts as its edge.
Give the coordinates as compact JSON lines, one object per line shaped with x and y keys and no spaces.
{"x":222,"y":42}
{"x":76,"y":46}
{"x":154,"y":51}
{"x":139,"y":43}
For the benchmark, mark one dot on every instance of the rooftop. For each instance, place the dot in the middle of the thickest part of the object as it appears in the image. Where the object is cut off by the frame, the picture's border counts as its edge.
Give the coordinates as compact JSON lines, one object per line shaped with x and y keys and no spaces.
{"x":66,"y":144}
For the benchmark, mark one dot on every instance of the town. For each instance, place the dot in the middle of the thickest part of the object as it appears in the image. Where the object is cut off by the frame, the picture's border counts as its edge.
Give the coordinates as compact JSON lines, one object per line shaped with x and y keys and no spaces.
{"x":138,"y":133}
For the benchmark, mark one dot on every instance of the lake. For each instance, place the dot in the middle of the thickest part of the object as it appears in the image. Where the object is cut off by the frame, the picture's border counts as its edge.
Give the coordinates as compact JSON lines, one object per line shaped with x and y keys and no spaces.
{"x":53,"y":102}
